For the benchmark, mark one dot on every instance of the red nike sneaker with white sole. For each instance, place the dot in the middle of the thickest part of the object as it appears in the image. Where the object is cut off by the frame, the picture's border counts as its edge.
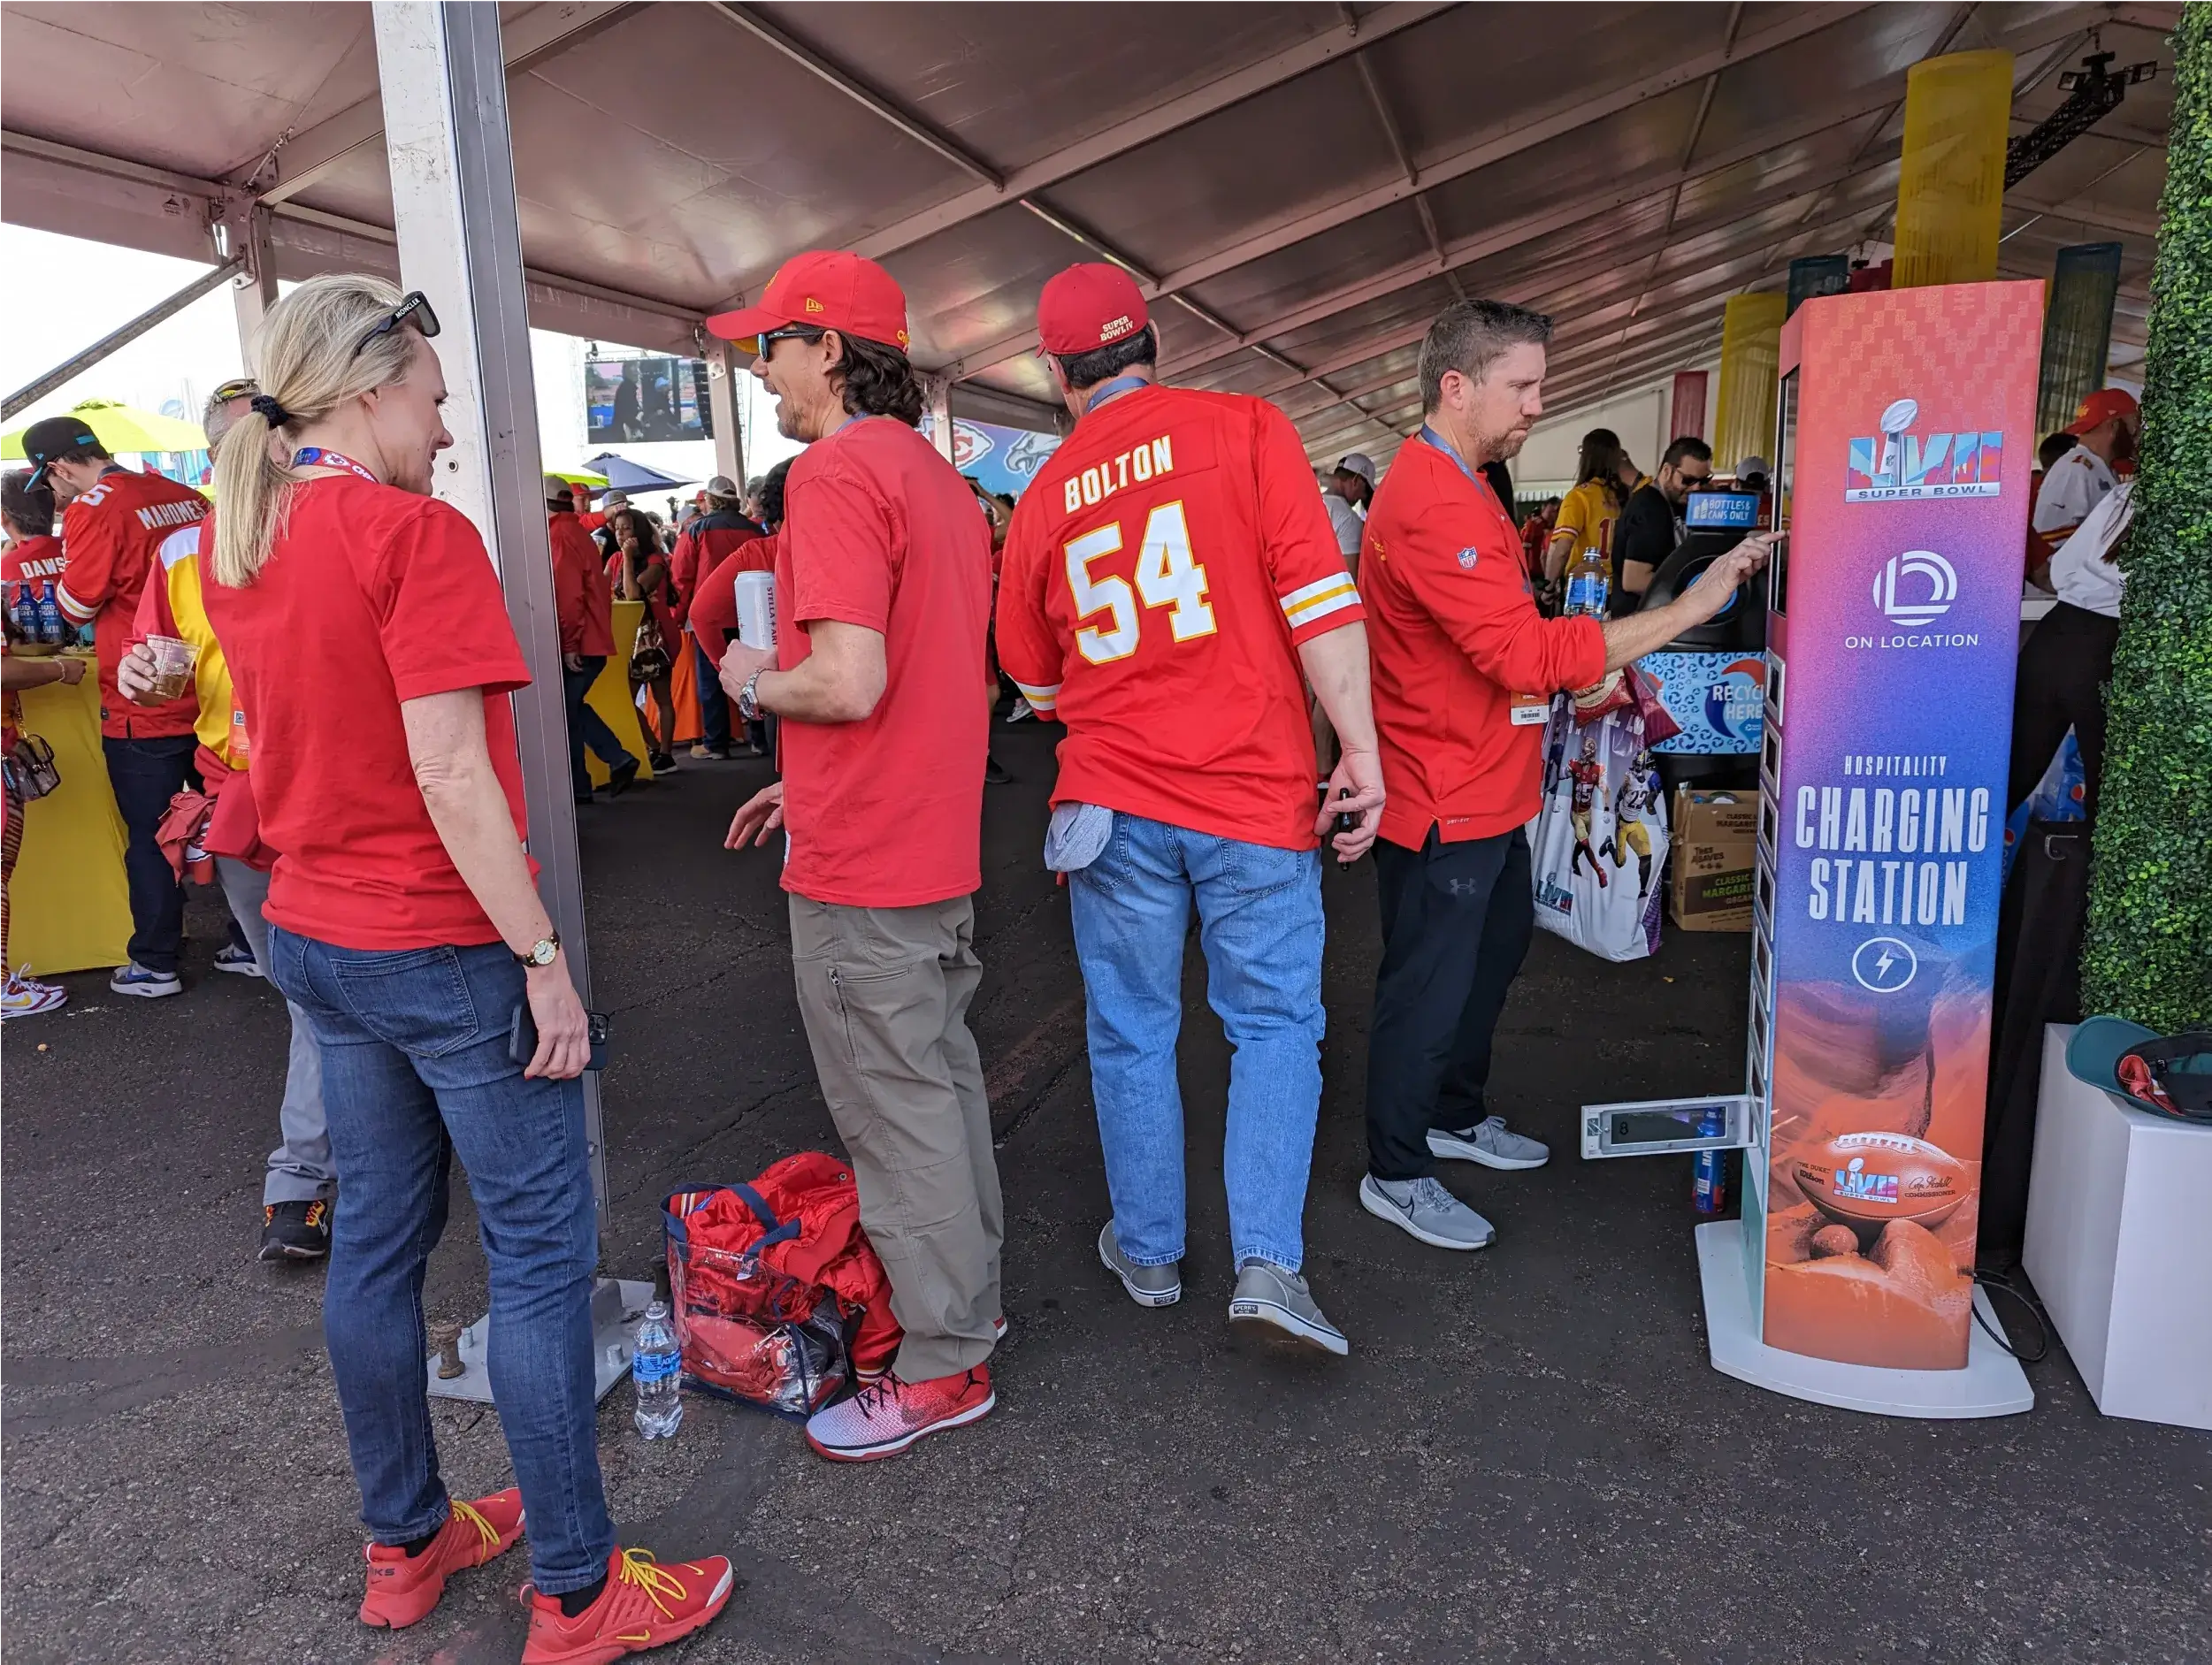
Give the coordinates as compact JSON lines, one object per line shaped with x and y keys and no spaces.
{"x":644,"y":1605}
{"x":889,"y":1414}
{"x":403,"y":1588}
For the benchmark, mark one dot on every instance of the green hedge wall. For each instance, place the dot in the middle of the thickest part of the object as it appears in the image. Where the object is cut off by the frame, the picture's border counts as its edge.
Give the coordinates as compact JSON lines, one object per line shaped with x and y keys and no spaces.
{"x":2148,"y":953}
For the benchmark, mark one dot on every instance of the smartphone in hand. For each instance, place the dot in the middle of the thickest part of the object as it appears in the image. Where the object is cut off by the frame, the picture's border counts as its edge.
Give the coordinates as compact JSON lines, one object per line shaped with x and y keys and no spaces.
{"x":521,"y":1037}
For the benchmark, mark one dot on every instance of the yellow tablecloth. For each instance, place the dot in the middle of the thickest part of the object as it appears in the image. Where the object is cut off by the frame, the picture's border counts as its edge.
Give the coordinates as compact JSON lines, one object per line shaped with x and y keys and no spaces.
{"x":69,"y":904}
{"x":614,"y":698}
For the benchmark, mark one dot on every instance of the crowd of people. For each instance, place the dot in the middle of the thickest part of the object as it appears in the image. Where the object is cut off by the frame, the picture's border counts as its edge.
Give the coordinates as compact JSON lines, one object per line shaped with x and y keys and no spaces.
{"x":1171,"y":589}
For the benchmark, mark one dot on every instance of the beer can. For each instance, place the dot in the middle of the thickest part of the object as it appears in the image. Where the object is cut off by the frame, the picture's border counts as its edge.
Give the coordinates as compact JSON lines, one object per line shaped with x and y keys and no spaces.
{"x":756,"y":609}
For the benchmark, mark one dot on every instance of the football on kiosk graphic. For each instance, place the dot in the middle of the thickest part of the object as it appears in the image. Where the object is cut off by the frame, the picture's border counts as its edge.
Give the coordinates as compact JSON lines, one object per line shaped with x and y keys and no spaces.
{"x":1906,"y":428}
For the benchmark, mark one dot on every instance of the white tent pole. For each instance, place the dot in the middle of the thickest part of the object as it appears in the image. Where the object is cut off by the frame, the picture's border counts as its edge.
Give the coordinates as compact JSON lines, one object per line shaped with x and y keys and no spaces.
{"x":453,"y":201}
{"x":725,"y":395}
{"x":30,"y":393}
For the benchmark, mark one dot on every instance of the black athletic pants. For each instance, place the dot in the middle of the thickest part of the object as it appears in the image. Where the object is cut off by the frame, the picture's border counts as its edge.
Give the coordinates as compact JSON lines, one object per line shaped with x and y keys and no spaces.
{"x":2063,"y":669}
{"x":1457,"y":920}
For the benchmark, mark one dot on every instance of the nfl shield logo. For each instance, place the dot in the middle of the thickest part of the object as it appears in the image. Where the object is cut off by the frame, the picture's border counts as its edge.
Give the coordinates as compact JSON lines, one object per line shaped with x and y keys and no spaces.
{"x":1466,"y":560}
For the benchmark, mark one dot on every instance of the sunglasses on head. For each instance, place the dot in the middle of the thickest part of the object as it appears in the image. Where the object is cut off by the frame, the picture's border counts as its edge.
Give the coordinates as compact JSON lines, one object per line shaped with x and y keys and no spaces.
{"x":413,"y":309}
{"x":237,"y":387}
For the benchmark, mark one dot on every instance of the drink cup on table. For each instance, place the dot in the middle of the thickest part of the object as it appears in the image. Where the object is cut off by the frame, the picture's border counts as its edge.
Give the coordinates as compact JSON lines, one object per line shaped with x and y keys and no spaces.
{"x":172,"y":666}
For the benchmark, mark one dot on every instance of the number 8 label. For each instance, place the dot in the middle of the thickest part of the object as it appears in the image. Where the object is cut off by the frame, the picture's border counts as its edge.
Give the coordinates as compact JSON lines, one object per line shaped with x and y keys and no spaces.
{"x":1166,"y":576}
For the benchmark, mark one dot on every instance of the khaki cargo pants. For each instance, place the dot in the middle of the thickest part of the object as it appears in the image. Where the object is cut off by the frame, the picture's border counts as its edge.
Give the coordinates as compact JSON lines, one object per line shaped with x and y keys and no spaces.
{"x":884,"y":994}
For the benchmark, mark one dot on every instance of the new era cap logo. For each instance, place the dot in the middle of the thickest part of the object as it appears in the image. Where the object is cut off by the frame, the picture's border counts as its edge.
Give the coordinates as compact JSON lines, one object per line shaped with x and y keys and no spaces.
{"x":814,"y":305}
{"x":1114,"y":329}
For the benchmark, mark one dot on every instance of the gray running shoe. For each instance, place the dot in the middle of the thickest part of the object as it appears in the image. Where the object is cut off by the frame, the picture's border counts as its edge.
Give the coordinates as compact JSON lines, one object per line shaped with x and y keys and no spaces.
{"x":1148,"y":1286}
{"x":1277,"y":1306}
{"x":1490,"y":1142}
{"x":1422,"y":1208}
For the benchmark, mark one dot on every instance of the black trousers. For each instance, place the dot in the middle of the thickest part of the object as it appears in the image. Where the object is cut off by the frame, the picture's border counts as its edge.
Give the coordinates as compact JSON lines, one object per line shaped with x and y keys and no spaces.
{"x":1457,"y":920}
{"x":2063,"y":669}
{"x":714,"y":707}
{"x":145,"y":775}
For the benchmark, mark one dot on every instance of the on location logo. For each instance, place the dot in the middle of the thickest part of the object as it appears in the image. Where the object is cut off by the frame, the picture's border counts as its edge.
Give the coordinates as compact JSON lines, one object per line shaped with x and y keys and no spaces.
{"x":1915,"y":587}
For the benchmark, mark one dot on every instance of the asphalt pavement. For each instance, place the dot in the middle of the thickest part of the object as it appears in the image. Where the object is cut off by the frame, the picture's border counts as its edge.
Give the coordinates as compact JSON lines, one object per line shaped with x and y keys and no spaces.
{"x":1527,"y":1456}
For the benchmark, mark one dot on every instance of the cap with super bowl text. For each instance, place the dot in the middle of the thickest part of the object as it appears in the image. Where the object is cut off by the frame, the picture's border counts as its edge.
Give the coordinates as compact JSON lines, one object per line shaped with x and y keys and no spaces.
{"x":1087,"y":306}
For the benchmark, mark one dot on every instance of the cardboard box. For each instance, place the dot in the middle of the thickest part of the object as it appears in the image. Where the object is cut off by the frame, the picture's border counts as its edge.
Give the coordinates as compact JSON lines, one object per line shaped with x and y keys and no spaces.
{"x":1715,"y":852}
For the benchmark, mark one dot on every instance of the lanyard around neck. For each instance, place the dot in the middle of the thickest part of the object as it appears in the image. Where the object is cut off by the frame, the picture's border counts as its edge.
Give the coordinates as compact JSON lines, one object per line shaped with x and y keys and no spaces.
{"x":1114,"y":390}
{"x":316,"y":456}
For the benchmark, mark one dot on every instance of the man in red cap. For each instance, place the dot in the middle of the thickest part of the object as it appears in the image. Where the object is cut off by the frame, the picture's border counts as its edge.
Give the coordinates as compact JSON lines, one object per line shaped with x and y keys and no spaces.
{"x":1171,"y":582}
{"x":2106,"y":425}
{"x":882,"y":595}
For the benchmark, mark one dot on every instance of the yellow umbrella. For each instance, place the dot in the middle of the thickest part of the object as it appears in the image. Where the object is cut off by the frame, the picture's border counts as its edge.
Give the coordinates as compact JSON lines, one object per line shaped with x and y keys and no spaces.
{"x":122,"y":429}
{"x":580,"y":476}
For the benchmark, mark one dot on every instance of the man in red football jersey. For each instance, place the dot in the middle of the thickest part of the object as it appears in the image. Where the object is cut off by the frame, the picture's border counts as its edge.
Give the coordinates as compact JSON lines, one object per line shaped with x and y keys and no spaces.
{"x":1170,"y":585}
{"x":115,"y":522}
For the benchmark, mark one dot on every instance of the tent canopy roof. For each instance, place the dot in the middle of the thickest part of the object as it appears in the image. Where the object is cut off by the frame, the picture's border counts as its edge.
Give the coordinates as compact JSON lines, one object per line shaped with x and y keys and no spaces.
{"x":1300,"y":188}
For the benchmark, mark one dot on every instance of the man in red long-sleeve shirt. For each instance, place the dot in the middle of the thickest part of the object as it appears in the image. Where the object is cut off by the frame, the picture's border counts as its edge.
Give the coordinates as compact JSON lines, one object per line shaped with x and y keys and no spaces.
{"x":704,"y":545}
{"x":1465,"y":667}
{"x":585,"y":608}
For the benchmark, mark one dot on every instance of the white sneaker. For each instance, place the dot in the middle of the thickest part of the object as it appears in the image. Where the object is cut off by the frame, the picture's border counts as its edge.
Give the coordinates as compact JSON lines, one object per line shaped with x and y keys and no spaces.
{"x":1423,"y":1208}
{"x":23,"y":996}
{"x":134,"y":978}
{"x":1490,"y":1142}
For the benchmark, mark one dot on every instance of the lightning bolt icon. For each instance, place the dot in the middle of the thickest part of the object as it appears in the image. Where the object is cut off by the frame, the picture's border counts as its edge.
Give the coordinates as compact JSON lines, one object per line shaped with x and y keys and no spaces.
{"x":1882,"y":965}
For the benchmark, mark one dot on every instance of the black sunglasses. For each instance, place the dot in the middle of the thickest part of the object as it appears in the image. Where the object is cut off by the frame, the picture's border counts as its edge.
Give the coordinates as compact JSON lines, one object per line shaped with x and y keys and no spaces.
{"x":768,"y":339}
{"x":414,"y":309}
{"x":238,"y":388}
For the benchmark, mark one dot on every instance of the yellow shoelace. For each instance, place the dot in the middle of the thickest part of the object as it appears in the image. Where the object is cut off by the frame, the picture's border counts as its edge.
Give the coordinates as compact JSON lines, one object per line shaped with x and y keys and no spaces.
{"x":484,"y":1527}
{"x":640,"y":1567}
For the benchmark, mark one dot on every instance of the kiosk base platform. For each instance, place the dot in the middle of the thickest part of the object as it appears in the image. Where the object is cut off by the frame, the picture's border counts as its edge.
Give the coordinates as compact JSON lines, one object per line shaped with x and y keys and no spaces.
{"x":1992,"y":1384}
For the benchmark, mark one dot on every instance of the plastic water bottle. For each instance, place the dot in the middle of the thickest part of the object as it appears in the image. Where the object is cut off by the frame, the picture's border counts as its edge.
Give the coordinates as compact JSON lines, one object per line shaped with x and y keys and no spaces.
{"x":656,"y":1366}
{"x":1589,"y":580}
{"x":50,"y":620}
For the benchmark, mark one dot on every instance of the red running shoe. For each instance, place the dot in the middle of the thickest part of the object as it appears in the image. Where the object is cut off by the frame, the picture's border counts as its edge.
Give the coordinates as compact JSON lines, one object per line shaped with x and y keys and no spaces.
{"x":888,"y":1415}
{"x":643,"y":1606}
{"x":403,"y":1588}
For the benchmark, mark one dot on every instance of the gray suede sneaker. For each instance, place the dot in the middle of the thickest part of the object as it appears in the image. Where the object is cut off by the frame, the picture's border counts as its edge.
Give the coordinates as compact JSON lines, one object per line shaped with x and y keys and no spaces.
{"x":1148,"y":1286}
{"x":1490,"y":1142}
{"x":1275,"y":1305}
{"x":1422,"y":1208}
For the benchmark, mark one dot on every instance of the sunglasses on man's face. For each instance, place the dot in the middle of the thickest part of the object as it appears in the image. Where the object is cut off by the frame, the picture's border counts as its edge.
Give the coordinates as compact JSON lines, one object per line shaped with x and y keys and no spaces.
{"x":789,"y":332}
{"x":414,"y":309}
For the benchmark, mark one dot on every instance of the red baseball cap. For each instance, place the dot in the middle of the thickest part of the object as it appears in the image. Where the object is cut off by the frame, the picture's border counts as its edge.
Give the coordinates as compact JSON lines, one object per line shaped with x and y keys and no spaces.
{"x":2101,"y":407}
{"x":1088,"y":307}
{"x":828,"y":289}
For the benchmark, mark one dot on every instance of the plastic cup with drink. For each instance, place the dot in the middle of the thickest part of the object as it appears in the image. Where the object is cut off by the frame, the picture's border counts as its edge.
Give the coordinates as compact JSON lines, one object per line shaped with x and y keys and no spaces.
{"x":172,"y":666}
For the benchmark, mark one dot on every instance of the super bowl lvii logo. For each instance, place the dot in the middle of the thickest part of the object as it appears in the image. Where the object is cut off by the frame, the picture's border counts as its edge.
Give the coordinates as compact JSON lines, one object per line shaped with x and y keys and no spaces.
{"x":1900,"y":466}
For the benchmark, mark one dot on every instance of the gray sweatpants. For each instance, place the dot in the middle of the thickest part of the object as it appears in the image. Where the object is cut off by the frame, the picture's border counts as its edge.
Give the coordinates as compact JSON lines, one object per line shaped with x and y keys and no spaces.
{"x":885,"y":995}
{"x":300,"y":1168}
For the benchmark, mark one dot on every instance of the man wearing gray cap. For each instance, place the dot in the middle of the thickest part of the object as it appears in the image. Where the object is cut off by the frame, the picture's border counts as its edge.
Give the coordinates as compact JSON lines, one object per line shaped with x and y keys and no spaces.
{"x":1349,"y":490}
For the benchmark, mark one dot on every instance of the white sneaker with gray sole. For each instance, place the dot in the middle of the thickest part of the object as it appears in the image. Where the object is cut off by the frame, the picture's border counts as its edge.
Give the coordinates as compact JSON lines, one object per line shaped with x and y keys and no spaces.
{"x":1148,"y":1286}
{"x":1490,"y":1142}
{"x":1275,"y":1305}
{"x":1422,"y":1208}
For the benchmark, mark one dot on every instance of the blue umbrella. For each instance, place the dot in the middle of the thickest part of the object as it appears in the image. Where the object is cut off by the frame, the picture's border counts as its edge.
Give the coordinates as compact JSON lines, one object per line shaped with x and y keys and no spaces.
{"x":623,"y":475}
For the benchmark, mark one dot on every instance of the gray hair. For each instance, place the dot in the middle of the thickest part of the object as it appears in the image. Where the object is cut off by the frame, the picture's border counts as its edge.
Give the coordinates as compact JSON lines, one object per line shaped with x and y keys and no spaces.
{"x":1470,"y":336}
{"x":216,"y":418}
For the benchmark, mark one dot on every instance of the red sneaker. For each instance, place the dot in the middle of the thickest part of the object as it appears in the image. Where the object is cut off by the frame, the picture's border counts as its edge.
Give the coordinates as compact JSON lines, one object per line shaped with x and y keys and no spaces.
{"x":402,"y":1588}
{"x":888,"y":1415}
{"x":643,"y":1606}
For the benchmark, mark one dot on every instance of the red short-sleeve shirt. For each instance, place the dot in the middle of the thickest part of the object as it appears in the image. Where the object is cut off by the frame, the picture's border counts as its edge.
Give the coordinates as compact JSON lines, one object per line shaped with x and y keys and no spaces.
{"x":372,"y":596}
{"x":881,"y":531}
{"x":1160,"y":572}
{"x":1453,"y":634}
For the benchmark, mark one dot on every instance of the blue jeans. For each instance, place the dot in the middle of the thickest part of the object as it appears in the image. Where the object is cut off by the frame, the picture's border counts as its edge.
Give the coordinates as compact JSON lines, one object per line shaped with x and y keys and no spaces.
{"x":713,"y":708}
{"x":586,"y":726}
{"x":416,"y":1069}
{"x":1259,"y":922}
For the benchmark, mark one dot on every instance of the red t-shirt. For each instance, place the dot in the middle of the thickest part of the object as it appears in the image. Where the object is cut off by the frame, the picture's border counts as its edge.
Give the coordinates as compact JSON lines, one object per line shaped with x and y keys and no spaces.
{"x":1160,"y":572}
{"x":33,"y":561}
{"x":112,"y":532}
{"x":372,"y":596}
{"x":1452,"y":635}
{"x":582,"y":598}
{"x":881,"y":531}
{"x":714,"y":612}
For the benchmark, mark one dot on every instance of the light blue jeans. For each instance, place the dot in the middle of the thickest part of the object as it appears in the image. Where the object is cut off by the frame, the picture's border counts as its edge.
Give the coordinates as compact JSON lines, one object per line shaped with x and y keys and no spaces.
{"x":1259,"y":923}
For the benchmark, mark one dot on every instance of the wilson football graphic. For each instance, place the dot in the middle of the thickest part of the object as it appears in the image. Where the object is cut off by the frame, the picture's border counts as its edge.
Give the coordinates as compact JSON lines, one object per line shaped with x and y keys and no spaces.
{"x":1869,"y":1179}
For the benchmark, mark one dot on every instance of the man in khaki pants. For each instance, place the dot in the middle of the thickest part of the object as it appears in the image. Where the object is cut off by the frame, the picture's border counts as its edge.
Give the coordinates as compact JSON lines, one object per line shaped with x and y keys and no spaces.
{"x":883,"y":596}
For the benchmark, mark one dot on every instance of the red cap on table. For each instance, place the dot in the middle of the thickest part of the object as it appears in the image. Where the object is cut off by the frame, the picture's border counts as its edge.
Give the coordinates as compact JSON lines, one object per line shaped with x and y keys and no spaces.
{"x":1088,"y":307}
{"x":828,"y":289}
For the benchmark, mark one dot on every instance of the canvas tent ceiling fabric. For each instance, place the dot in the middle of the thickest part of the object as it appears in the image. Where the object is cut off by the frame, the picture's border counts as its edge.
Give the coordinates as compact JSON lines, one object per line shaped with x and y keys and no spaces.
{"x":1300,"y":188}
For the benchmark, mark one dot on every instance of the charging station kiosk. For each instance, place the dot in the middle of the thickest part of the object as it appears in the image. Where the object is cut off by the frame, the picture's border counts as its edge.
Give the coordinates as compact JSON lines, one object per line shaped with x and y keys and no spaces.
{"x":1906,"y":426}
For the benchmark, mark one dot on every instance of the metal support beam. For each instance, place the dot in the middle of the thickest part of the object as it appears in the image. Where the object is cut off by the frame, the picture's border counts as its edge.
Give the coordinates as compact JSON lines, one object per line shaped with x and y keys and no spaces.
{"x":206,"y":283}
{"x":453,"y":199}
{"x":297,"y":160}
{"x":1142,"y":128}
{"x":244,"y":231}
{"x":936,"y":391}
{"x":724,"y":397}
{"x":930,"y":138}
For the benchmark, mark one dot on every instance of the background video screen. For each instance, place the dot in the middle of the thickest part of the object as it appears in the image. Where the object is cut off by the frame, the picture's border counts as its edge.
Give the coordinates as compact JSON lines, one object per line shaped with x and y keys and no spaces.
{"x":644,"y":399}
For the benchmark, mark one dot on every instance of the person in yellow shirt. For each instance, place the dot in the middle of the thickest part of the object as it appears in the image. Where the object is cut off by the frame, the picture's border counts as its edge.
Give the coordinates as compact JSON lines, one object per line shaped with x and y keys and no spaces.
{"x":1604,"y":478}
{"x":301,"y":1180}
